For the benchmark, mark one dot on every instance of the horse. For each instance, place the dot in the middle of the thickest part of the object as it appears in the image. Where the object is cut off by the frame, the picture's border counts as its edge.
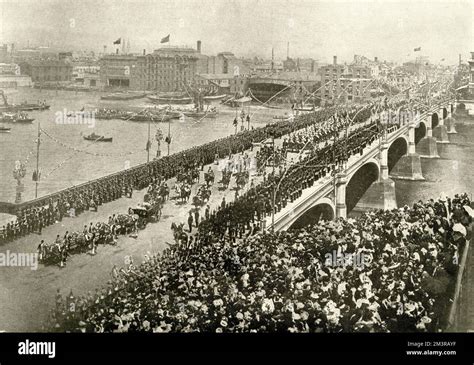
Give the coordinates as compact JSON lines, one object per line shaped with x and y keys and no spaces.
{"x":242,"y":179}
{"x":178,"y":233}
{"x":194,"y":175}
{"x":164,"y":192}
{"x":209,"y":178}
{"x":226,"y":179}
{"x":185,"y":192}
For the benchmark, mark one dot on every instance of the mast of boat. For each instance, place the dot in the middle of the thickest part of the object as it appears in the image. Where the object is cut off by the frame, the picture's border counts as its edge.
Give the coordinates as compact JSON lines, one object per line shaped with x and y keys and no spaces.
{"x":37,"y":160}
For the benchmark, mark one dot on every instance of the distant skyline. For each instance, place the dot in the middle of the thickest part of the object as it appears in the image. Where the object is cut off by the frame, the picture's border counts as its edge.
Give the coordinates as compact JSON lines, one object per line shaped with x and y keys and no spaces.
{"x":389,"y":30}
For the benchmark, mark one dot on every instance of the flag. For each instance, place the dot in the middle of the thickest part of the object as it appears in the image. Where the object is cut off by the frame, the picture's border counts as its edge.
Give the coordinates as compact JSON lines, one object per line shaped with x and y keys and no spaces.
{"x":417,"y":49}
{"x":165,"y":39}
{"x":118,"y":41}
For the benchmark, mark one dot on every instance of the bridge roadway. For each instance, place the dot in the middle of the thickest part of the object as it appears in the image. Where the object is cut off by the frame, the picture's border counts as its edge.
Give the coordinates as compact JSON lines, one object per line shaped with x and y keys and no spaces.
{"x":331,"y":190}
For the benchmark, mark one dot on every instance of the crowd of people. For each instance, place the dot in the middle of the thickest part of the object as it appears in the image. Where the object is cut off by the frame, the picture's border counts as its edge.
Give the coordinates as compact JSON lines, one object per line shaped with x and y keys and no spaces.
{"x":290,"y":281}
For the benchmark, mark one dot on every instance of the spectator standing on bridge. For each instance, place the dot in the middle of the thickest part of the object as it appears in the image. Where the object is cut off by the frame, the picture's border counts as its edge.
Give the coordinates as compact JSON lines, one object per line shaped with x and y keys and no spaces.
{"x":196,"y":217}
{"x":190,"y":222}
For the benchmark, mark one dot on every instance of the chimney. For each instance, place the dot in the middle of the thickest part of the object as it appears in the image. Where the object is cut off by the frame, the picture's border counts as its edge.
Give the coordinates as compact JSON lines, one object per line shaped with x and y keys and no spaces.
{"x":199,"y":46}
{"x":144,"y":51}
{"x":334,"y":62}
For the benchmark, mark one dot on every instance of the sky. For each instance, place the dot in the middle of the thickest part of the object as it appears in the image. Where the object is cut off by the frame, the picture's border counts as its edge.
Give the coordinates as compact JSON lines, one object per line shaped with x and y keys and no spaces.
{"x":387,"y":29}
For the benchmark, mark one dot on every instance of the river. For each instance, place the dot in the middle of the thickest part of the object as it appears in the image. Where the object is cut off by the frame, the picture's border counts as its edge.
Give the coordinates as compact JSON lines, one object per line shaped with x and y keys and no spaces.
{"x":61,"y":166}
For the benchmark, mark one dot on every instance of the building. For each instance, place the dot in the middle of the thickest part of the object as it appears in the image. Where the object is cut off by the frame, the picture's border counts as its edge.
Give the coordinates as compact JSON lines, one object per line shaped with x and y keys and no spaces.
{"x":300,"y":64}
{"x":166,"y":69}
{"x":227,"y":63}
{"x":47,"y":70}
{"x":116,"y":70}
{"x":14,"y":81}
{"x":9,"y":69}
{"x":223,"y":83}
{"x":344,"y":84}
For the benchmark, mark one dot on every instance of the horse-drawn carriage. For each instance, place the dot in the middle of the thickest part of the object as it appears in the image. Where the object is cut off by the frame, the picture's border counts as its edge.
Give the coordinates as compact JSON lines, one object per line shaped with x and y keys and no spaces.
{"x":146,"y":212}
{"x":202,"y":196}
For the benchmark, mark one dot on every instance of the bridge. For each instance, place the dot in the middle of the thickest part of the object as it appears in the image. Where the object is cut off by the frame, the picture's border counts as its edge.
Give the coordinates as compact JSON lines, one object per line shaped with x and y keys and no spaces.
{"x":366,"y":181}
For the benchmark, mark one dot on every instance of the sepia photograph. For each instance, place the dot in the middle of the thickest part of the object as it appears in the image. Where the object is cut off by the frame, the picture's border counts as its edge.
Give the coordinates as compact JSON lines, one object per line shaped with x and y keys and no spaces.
{"x":236,"y":167}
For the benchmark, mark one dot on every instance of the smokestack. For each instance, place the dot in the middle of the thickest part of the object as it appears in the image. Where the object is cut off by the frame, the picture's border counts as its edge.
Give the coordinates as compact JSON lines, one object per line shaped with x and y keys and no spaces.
{"x":272,"y":58}
{"x":199,"y":46}
{"x":376,"y":59}
{"x":144,"y":51}
{"x":288,"y":51}
{"x":334,"y":60}
{"x":116,"y":51}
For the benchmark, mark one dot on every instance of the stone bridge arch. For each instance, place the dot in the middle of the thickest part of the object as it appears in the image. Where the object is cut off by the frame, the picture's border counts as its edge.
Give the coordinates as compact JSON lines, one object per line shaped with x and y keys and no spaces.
{"x":445,"y":112}
{"x":322,"y":209}
{"x":397,"y":149}
{"x":420,"y":131}
{"x":360,"y":181}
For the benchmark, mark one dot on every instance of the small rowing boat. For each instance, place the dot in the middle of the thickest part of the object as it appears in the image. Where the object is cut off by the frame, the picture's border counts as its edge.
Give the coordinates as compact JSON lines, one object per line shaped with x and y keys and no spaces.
{"x":4,"y":129}
{"x":96,"y":138}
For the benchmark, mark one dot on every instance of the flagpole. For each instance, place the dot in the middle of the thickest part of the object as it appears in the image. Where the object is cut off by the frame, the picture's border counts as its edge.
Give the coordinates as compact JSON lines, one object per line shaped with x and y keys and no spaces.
{"x":37,"y":160}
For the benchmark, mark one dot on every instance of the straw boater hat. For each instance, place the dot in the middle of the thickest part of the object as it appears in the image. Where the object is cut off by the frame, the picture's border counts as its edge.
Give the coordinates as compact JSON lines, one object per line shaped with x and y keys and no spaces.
{"x":469,"y":210}
{"x":458,"y":227}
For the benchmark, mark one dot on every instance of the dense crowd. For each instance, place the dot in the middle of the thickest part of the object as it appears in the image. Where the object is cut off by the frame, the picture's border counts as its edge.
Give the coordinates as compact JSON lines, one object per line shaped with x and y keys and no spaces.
{"x":307,"y":280}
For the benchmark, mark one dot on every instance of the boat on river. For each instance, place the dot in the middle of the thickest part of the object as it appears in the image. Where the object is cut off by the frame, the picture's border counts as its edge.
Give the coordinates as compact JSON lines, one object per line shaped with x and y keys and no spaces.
{"x":214,"y":97}
{"x":19,"y":118}
{"x":97,"y":138}
{"x":123,"y":96}
{"x":211,"y":113}
{"x":4,"y":129}
{"x":152,"y":117}
{"x":170,"y":98}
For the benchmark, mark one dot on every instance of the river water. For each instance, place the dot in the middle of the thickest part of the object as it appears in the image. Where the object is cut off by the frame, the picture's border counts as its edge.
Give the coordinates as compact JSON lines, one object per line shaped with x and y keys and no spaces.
{"x":61,"y":166}
{"x":451,"y":174}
